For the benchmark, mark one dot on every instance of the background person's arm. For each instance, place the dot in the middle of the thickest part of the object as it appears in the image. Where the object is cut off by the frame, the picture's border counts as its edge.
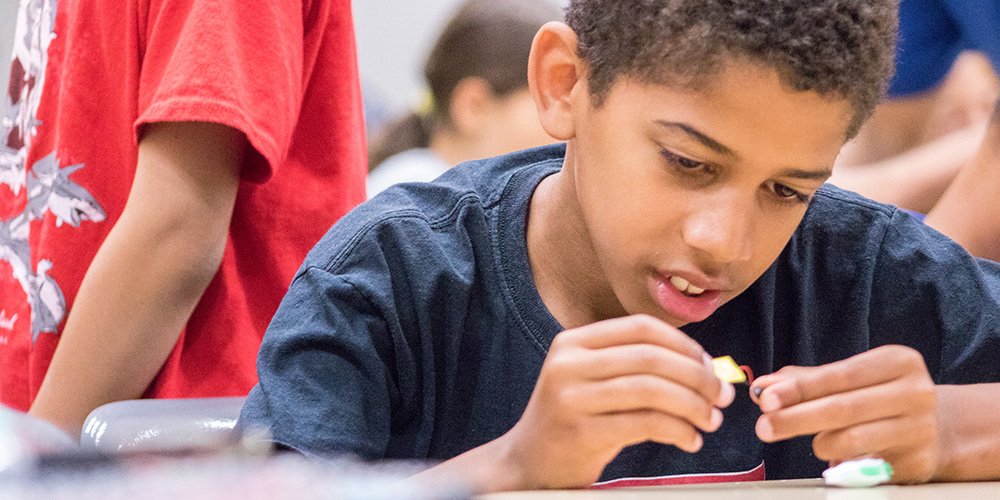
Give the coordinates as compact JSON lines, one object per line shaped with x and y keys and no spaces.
{"x":913,"y":146}
{"x":150,"y":272}
{"x":914,"y":179}
{"x":969,"y":211}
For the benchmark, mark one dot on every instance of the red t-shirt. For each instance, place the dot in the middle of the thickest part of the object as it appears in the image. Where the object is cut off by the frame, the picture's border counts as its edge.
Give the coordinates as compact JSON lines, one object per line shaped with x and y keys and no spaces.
{"x":84,"y":81}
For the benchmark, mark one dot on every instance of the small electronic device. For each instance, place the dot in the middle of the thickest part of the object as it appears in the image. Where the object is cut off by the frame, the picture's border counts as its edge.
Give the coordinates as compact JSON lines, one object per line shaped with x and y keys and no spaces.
{"x":728,"y":370}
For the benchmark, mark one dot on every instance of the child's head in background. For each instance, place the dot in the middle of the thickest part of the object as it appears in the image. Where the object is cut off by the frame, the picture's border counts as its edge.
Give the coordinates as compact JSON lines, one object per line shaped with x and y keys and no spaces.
{"x":698,"y":131}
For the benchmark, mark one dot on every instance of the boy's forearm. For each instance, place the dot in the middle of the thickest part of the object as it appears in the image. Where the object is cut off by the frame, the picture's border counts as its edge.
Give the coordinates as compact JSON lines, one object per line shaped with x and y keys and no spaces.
{"x":969,"y":419}
{"x":148,"y":275}
{"x":136,"y":298}
{"x":486,"y":469}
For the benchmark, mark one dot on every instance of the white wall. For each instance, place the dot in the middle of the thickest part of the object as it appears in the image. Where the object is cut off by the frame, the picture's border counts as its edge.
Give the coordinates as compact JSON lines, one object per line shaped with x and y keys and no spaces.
{"x":393,"y":38}
{"x":8,"y":13}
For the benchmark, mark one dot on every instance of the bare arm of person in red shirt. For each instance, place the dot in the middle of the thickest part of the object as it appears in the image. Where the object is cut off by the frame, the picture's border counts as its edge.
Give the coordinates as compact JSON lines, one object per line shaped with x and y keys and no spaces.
{"x":969,"y":211}
{"x":150,"y":272}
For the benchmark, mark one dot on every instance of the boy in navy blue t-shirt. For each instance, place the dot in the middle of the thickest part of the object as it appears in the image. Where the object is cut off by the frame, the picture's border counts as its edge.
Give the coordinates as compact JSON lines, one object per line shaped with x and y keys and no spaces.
{"x":547,"y":318}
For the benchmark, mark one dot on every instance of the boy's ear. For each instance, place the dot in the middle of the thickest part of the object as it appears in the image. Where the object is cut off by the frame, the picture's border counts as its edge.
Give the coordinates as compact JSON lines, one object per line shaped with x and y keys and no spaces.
{"x":554,"y":70}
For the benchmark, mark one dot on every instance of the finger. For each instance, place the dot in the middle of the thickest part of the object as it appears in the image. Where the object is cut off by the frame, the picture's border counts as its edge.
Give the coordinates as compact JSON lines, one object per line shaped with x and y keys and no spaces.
{"x":843,"y":410}
{"x":645,"y":359}
{"x":639,"y":426}
{"x":644,"y":392}
{"x":765,"y":381}
{"x":636,"y":329}
{"x":870,"y":368}
{"x":912,"y":466}
{"x":887,"y":437}
{"x":785,"y":373}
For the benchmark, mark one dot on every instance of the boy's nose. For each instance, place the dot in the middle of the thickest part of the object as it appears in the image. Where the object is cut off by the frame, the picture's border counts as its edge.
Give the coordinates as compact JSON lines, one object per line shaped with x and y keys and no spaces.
{"x":721,"y":229}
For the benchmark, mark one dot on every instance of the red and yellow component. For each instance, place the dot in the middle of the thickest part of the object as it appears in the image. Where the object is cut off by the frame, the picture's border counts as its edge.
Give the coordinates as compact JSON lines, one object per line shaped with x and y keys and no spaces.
{"x":728,"y":370}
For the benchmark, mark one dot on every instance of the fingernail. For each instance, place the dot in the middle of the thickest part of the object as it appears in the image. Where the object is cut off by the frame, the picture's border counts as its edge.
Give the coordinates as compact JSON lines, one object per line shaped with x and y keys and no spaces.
{"x":727,"y":395}
{"x":769,"y":402}
{"x":755,"y":392}
{"x":698,"y":442}
{"x":716,"y":420}
{"x":764,"y":430}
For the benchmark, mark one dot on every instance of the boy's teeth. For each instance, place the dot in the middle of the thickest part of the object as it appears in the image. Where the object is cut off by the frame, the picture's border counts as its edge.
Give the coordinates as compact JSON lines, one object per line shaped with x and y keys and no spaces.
{"x":685,"y":286}
{"x":679,"y":283}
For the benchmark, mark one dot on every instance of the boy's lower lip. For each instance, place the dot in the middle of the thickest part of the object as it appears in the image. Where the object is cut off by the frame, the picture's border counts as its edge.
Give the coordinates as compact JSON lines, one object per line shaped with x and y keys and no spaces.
{"x":687,"y":308}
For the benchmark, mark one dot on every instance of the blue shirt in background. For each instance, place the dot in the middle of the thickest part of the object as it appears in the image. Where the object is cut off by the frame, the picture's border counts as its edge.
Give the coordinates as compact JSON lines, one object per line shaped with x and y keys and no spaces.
{"x":933,"y":32}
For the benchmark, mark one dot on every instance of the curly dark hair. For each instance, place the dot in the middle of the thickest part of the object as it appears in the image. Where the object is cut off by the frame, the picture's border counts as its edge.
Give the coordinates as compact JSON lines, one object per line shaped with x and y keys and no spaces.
{"x":841,"y":48}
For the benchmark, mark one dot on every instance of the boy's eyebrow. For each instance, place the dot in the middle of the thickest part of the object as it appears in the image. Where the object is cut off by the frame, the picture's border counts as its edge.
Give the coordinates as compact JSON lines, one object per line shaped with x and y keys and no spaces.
{"x":712,"y":144}
{"x":809,"y":175}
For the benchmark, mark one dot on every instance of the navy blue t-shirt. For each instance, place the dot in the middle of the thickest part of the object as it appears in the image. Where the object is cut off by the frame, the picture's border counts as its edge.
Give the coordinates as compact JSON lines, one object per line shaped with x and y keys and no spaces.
{"x":414,"y":329}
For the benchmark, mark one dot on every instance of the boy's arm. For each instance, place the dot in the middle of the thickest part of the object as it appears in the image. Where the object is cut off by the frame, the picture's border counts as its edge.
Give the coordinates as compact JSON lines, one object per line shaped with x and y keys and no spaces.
{"x":970,"y":418}
{"x":969,"y":211}
{"x":883,"y":403}
{"x":602,"y":387}
{"x":149,"y":273}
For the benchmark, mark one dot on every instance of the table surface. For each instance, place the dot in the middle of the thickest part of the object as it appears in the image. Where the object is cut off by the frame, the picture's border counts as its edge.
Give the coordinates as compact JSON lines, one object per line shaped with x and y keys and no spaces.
{"x":798,"y":489}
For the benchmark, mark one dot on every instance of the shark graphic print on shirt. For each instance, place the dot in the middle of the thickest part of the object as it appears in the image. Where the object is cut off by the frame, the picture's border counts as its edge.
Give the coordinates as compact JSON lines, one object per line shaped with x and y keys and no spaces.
{"x":44,"y":187}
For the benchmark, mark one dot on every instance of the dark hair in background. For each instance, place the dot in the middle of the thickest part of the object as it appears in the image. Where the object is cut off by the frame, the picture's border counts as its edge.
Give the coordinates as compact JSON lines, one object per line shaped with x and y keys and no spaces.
{"x":838,"y":48}
{"x":489,"y":39}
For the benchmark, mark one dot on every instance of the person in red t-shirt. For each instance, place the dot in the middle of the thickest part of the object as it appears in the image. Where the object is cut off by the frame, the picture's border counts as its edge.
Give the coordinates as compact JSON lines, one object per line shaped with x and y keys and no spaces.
{"x":218,"y":138}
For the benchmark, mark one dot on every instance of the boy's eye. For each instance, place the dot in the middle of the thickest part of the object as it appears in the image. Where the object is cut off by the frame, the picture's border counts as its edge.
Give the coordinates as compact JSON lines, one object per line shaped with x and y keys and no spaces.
{"x":680,"y":161}
{"x":786,"y":193}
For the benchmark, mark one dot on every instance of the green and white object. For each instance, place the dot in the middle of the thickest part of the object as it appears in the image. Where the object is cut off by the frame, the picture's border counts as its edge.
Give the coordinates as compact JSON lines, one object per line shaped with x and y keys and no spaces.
{"x":859,"y":473}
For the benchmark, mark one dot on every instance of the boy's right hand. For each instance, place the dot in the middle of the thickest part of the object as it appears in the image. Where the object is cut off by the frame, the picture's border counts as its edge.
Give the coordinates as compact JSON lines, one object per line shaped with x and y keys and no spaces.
{"x":609,"y":385}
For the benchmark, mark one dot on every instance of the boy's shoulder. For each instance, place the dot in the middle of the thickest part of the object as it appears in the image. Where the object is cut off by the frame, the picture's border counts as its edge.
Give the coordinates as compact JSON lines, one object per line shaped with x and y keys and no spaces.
{"x":416,"y":213}
{"x":844,"y":232}
{"x":835,"y":211}
{"x":485,"y":180}
{"x":832,"y":192}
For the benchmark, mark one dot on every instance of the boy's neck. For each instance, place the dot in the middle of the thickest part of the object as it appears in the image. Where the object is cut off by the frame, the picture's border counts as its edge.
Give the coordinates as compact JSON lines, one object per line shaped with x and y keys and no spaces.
{"x":567,"y":274}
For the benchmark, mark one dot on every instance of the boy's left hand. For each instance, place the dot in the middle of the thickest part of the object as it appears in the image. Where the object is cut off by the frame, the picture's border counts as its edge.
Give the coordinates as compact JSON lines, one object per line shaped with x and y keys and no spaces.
{"x":881,"y":403}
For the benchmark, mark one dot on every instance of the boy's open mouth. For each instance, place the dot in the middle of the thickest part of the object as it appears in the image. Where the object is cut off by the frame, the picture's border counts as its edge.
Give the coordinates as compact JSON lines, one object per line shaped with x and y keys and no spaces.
{"x":682,"y":300}
{"x":685,"y":286}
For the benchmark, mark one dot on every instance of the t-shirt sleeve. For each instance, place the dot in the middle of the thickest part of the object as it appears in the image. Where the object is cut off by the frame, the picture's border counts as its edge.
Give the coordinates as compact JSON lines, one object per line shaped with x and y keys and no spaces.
{"x":325,"y":383}
{"x":929,"y":293}
{"x":231,"y":62}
